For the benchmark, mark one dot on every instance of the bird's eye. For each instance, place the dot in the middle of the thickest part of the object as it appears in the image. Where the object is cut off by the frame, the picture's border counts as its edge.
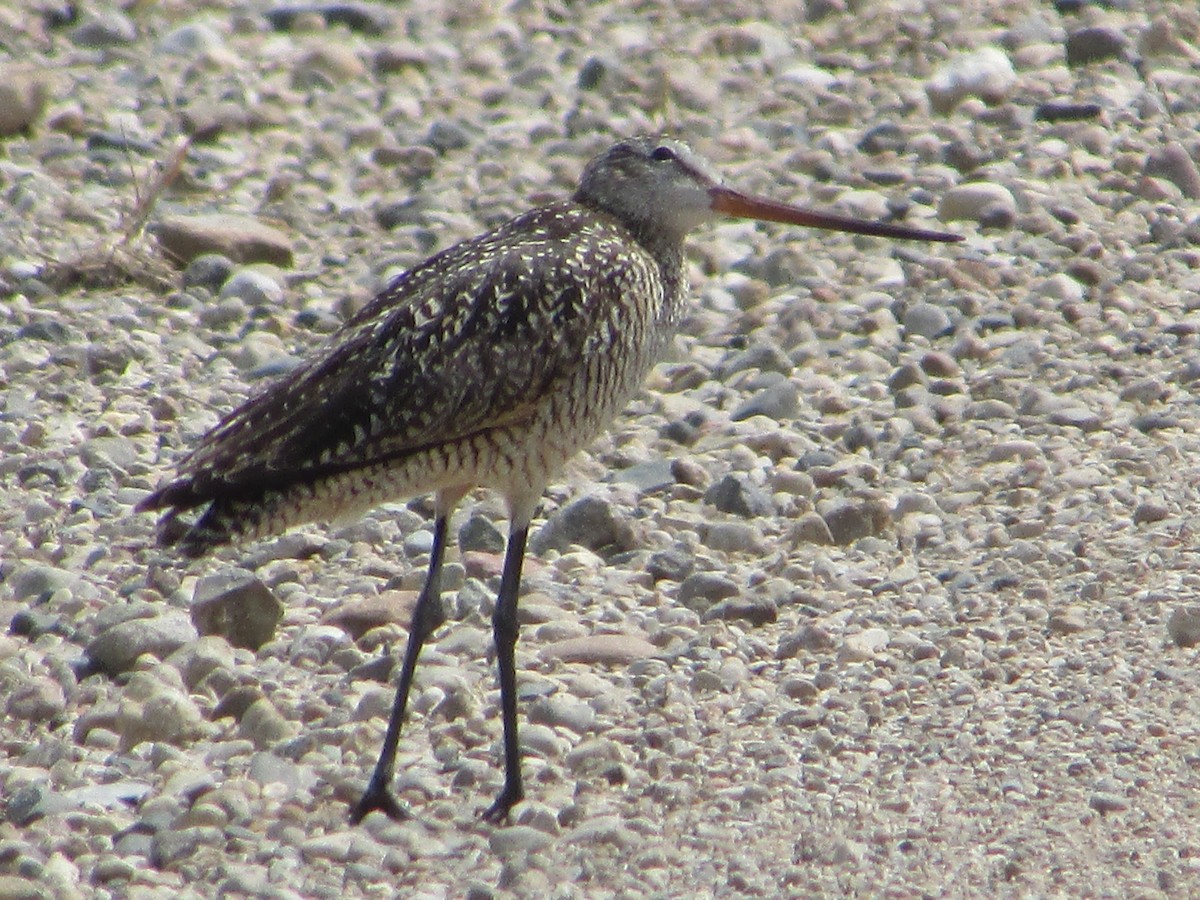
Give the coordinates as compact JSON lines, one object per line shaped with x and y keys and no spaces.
{"x":662,"y":154}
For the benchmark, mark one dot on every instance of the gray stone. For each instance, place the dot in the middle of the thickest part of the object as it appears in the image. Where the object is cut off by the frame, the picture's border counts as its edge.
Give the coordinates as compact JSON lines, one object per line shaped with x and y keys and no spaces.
{"x":590,"y":522}
{"x":849,"y":520}
{"x":671,"y":565}
{"x":116,"y":649}
{"x":733,"y":537}
{"x":23,"y":95}
{"x":562,"y":712}
{"x":478,"y":533}
{"x":1173,"y":162}
{"x":736,"y":494}
{"x":238,"y":607}
{"x":1095,"y":44}
{"x":209,"y":270}
{"x":254,"y":288}
{"x":757,"y":610}
{"x":111,"y":29}
{"x":810,"y":638}
{"x":37,"y":581}
{"x":976,"y":201}
{"x":927,"y":320}
{"x":780,"y":401}
{"x":702,"y":590}
{"x":196,"y":660}
{"x":987,"y":73}
{"x":264,"y":726}
{"x":1183,"y":626}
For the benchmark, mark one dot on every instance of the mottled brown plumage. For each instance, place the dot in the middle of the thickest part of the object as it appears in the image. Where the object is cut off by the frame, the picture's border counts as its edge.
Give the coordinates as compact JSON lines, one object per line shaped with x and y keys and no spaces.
{"x":490,"y":364}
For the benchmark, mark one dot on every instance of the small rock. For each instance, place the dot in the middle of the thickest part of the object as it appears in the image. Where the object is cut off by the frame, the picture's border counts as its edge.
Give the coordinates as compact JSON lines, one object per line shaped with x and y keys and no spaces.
{"x":240,"y":238}
{"x":357,"y":617}
{"x":116,"y":649}
{"x":1095,"y":44}
{"x":647,"y":477}
{"x":198,"y":659}
{"x":23,"y":96}
{"x":1149,"y":512}
{"x":264,"y":726}
{"x":111,"y":29}
{"x":1069,"y":620}
{"x":780,"y":401}
{"x":865,"y":645}
{"x":811,"y":528}
{"x":1105,"y":803}
{"x":733,"y":537}
{"x":562,"y":712}
{"x":736,"y":494}
{"x":253,"y":288}
{"x":1172,"y":162}
{"x":702,"y":590}
{"x":1077,"y":417}
{"x":479,"y":534}
{"x":35,"y":699}
{"x":671,"y":565}
{"x":757,"y":610}
{"x":1183,"y":626}
{"x":849,"y":520}
{"x":517,"y":839}
{"x":987,"y":73}
{"x":604,"y":649}
{"x":38,"y":581}
{"x":926,"y":319}
{"x":978,"y":201}
{"x":238,"y":607}
{"x":590,"y":522}
{"x":209,"y":270}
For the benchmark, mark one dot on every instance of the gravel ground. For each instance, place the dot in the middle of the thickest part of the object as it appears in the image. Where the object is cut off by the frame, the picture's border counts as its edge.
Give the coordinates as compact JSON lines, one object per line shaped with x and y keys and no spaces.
{"x":884,"y":586}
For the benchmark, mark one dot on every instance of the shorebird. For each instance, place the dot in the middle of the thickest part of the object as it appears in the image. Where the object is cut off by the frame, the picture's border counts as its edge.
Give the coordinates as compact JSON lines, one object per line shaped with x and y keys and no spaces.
{"x":490,"y":364}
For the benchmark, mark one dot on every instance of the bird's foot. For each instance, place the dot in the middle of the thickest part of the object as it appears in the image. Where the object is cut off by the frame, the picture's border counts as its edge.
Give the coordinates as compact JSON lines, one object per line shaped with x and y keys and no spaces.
{"x":377,"y":797}
{"x":499,"y":810}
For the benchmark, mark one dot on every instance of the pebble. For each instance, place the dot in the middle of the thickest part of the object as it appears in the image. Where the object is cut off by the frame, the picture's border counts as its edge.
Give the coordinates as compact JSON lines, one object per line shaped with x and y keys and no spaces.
{"x":238,"y":607}
{"x":264,"y":726}
{"x":849,"y":520}
{"x":926,"y":320}
{"x":115,"y":650}
{"x":478,"y":533}
{"x":1183,"y":626}
{"x":209,"y":270}
{"x":978,"y":201}
{"x":357,"y":617}
{"x":757,"y":610}
{"x":737,"y":495}
{"x":239,"y":238}
{"x":253,"y":288}
{"x":1173,"y":162}
{"x":23,"y":96}
{"x":111,"y":29}
{"x":702,"y":590}
{"x":590,"y":522}
{"x":986,"y":73}
{"x":780,"y":401}
{"x":600,"y":649}
{"x":1094,"y":44}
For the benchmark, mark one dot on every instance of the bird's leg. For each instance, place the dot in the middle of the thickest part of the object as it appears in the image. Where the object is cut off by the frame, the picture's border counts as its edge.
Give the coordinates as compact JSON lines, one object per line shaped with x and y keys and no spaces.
{"x":427,"y":616}
{"x":504,"y":629}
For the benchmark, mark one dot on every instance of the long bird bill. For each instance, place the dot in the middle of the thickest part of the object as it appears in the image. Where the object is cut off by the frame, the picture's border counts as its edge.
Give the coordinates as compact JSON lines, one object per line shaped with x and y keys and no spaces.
{"x":745,"y":206}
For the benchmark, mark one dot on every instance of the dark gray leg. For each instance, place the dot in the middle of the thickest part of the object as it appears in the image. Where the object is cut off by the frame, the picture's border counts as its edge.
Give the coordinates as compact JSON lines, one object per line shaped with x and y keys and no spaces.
{"x":504,"y":629}
{"x":427,"y":616}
